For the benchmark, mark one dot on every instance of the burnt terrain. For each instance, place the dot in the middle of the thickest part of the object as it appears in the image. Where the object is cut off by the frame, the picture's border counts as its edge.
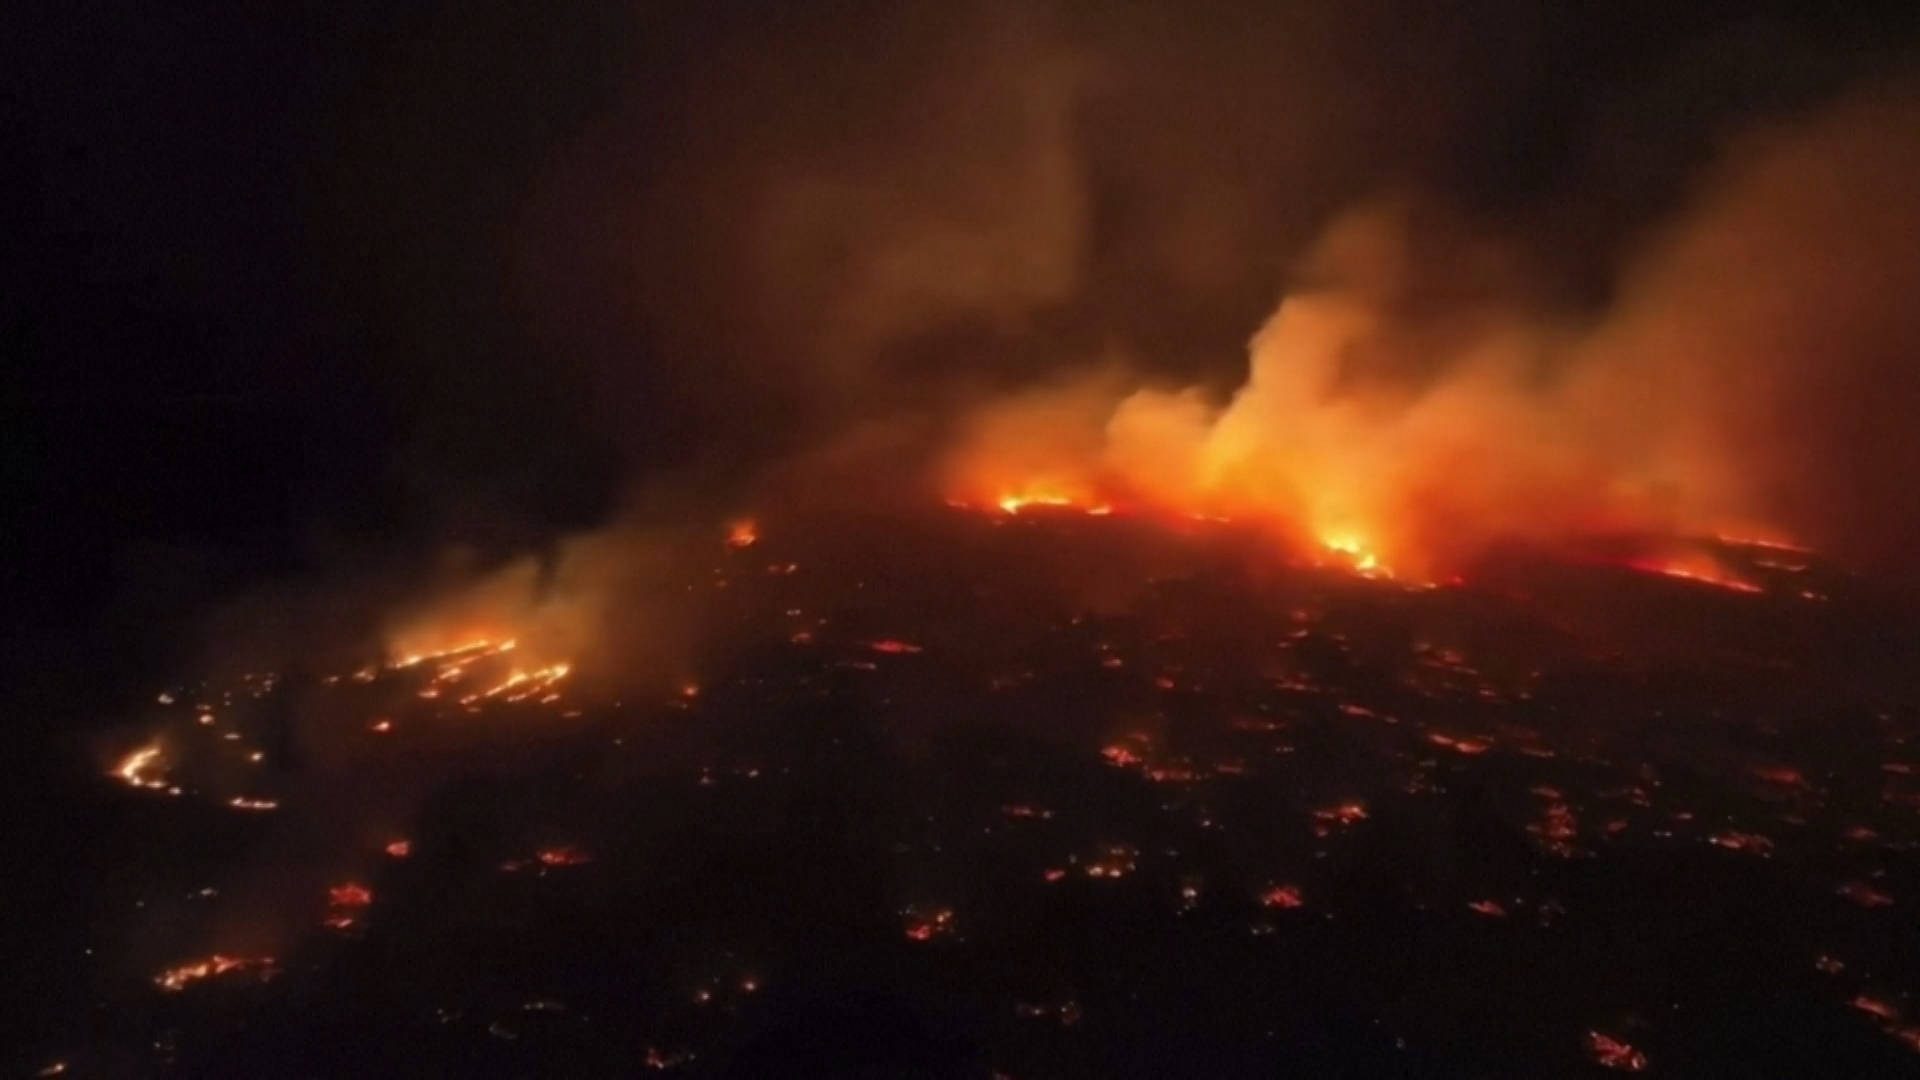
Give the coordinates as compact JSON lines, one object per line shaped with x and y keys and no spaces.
{"x":1036,"y":795}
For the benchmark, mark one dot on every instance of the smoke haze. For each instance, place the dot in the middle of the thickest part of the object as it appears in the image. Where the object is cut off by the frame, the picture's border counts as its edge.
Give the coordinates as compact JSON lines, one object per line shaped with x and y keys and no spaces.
{"x":1429,"y":278}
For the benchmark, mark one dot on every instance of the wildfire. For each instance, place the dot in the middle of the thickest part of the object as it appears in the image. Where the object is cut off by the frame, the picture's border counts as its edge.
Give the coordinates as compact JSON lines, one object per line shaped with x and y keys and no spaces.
{"x":1875,"y":1007}
{"x":1864,"y":894}
{"x":1615,"y":1054}
{"x":893,"y":647}
{"x":1013,"y":504}
{"x":563,"y":856}
{"x":143,"y":769}
{"x":1036,"y":497}
{"x":1283,"y":897}
{"x":1356,"y":554}
{"x":927,"y":925}
{"x":549,"y":858}
{"x":456,"y":656}
{"x":1753,"y":843}
{"x":1766,"y":544}
{"x":1469,"y":746}
{"x":521,"y":685}
{"x":1703,"y":570}
{"x":178,"y":978}
{"x":1340,"y":816}
{"x":1557,"y":829}
{"x":1115,"y":861}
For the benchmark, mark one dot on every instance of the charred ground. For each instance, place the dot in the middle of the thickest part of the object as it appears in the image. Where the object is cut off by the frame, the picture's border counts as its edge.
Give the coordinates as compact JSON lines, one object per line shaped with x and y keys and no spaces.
{"x":1043,"y":794}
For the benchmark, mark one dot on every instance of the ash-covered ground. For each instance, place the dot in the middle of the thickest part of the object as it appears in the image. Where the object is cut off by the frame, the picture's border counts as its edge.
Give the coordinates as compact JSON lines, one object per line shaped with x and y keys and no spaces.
{"x":1033,"y":795}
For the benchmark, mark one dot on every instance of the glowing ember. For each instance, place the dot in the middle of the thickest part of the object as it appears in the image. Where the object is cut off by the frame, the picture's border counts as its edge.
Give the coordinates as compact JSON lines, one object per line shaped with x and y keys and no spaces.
{"x":242,"y":802}
{"x":458,"y":655}
{"x":565,"y":855}
{"x":1468,"y":746}
{"x":1355,"y":554}
{"x":1702,"y":570}
{"x":892,"y":647}
{"x":1769,"y":545}
{"x":521,"y":685}
{"x":1784,"y":775}
{"x":1283,"y":897}
{"x":1875,"y":1007}
{"x":179,"y":978}
{"x":1752,"y":843}
{"x":742,"y":534}
{"x":1490,"y":908}
{"x":399,"y":849}
{"x":925,"y":926}
{"x":143,"y":769}
{"x":1865,"y":895}
{"x":345,"y":905}
{"x":1615,"y":1054}
{"x":1556,"y":830}
{"x":1347,"y":813}
{"x":1036,"y":496}
{"x":1113,"y":861}
{"x":667,"y":1059}
{"x":1013,"y":504}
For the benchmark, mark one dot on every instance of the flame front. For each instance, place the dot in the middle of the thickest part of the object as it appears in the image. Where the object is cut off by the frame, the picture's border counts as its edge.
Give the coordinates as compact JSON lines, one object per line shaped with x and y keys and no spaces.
{"x":1394,"y":438}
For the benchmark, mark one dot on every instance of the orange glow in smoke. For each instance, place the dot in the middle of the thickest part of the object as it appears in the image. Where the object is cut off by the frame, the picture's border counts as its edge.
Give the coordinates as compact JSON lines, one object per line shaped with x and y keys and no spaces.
{"x":1392,"y":439}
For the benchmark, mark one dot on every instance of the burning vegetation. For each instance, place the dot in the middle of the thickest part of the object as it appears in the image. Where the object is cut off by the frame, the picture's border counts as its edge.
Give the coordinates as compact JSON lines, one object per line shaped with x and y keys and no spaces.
{"x":1252,"y":752}
{"x":1180,"y":713}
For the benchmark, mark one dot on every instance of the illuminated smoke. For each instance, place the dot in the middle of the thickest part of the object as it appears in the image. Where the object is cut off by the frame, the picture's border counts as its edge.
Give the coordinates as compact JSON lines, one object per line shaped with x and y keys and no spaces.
{"x":1409,"y":403}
